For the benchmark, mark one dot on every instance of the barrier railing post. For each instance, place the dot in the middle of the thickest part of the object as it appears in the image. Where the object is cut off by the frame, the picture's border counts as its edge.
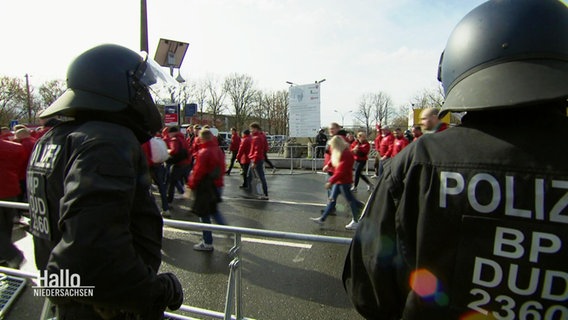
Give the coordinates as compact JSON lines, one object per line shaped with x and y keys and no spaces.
{"x":234,"y":285}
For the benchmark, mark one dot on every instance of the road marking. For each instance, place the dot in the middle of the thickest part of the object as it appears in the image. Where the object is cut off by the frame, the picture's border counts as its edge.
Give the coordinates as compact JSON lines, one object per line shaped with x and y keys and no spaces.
{"x":300,"y":256}
{"x":318,"y":204}
{"x":247,"y":239}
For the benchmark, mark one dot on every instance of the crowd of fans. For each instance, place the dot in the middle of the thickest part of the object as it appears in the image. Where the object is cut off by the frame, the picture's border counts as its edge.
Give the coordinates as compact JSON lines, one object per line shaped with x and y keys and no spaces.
{"x":178,"y":163}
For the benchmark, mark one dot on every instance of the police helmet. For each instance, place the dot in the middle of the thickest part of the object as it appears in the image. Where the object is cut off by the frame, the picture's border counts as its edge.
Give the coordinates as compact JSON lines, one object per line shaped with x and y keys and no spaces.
{"x":505,"y":54}
{"x":111,"y":78}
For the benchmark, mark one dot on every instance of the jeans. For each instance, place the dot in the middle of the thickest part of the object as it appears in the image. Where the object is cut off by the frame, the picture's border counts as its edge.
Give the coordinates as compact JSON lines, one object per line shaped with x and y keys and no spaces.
{"x":355,"y":204}
{"x":207,"y":235}
{"x":260,"y":171}
{"x":158,"y":173}
{"x":380,"y":166}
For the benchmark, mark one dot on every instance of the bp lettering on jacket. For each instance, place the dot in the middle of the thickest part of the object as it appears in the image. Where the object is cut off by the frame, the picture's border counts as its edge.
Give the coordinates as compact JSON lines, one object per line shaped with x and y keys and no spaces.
{"x":41,"y":164}
{"x":512,"y":256}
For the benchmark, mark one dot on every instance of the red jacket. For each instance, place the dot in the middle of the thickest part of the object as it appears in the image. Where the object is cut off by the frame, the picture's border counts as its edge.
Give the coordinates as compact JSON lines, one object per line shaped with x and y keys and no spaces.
{"x":210,"y":158}
{"x":327,"y":156}
{"x":343,"y":173}
{"x":266,"y":145}
{"x":12,"y":157}
{"x":194,"y":147}
{"x":441,"y":127}
{"x":28,"y":144}
{"x":398,"y":145}
{"x":384,"y":145}
{"x":175,"y":144}
{"x":235,"y":142}
{"x":148,"y":152}
{"x":362,"y":153}
{"x":244,"y":149}
{"x":257,"y":147}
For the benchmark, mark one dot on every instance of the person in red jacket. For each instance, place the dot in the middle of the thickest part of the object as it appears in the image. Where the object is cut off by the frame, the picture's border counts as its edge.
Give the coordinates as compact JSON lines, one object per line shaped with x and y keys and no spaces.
{"x":383,"y":145}
{"x":400,"y":142}
{"x":180,"y":160}
{"x":234,"y":148}
{"x":159,"y":174}
{"x":12,"y":157}
{"x":256,"y":155}
{"x":416,"y":132}
{"x":360,"y":149}
{"x":342,"y":161}
{"x":206,"y":181}
{"x":23,"y":136}
{"x":243,"y":157}
{"x":430,"y":121}
{"x":266,"y":149}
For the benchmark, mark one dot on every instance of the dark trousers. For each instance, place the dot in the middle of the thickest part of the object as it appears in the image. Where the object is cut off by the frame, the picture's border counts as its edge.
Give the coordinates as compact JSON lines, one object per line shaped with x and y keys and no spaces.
{"x":177,"y":176}
{"x":159,"y":175}
{"x":8,"y":250}
{"x":245,"y":168}
{"x":359,"y":173}
{"x":268,"y":161}
{"x":233,"y":158}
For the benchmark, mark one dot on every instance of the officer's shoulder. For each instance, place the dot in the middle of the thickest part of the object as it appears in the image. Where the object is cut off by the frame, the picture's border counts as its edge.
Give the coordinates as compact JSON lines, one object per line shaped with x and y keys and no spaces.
{"x":104,"y":131}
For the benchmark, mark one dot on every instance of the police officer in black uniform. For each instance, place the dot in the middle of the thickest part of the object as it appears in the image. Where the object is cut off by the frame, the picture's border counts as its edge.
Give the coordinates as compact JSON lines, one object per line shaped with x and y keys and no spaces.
{"x":472,"y":222}
{"x":92,"y":213}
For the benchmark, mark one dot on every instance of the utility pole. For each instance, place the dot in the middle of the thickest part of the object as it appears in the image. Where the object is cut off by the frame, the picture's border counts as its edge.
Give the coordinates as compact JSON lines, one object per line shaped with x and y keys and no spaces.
{"x":29,"y":98}
{"x":144,"y":27}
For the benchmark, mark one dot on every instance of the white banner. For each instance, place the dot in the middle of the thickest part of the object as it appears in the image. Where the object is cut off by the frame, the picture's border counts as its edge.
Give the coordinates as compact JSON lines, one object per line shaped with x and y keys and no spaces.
{"x":304,"y":110}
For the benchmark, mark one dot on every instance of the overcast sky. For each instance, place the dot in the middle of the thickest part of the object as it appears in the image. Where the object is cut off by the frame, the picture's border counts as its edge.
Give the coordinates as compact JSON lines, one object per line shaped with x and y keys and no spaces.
{"x":358,"y":46}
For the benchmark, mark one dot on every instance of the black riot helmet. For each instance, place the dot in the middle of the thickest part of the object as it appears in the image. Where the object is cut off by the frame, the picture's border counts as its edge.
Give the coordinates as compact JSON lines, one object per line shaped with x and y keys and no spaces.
{"x":111,"y":79}
{"x":505,"y":54}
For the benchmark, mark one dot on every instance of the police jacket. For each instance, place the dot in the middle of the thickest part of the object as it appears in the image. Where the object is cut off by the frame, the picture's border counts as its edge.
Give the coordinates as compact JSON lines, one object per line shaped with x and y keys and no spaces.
{"x":469,"y":222}
{"x":92,"y":214}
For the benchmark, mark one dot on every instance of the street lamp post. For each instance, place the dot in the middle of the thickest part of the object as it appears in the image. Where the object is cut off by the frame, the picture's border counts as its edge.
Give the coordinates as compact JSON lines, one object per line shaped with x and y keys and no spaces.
{"x":342,"y":114}
{"x":29,"y":98}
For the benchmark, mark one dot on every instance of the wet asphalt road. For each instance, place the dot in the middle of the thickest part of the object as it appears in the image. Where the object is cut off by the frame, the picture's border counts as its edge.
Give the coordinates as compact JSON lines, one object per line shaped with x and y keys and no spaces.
{"x":281,"y":279}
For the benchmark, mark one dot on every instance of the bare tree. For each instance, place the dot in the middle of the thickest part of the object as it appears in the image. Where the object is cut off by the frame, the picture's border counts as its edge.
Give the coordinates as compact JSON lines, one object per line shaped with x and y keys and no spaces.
{"x":279,"y":115}
{"x":240,"y":89}
{"x":260,"y":109}
{"x":365,"y":111}
{"x":13,"y":100}
{"x":201,"y":96}
{"x":429,"y":98}
{"x":375,"y":108}
{"x":216,"y":98}
{"x":49,"y":91}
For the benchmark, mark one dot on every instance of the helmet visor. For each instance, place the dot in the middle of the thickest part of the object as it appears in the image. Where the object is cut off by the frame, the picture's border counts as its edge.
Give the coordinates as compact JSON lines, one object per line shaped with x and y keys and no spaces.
{"x":151,"y":75}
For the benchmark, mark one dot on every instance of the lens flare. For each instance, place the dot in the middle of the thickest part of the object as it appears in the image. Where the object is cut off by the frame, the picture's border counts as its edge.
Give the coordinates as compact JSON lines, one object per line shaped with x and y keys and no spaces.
{"x":424,"y":283}
{"x":476,"y":316}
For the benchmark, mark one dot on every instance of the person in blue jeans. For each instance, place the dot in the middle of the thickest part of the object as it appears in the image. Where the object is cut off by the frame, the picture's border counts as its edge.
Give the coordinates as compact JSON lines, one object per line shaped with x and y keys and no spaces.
{"x":206,"y":181}
{"x":256,"y":154}
{"x":342,"y":162}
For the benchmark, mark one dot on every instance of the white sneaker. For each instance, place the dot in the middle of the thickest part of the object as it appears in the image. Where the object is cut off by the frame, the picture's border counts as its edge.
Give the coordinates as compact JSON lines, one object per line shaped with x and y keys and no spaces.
{"x":202,"y":246}
{"x":352,"y":225}
{"x":262,"y":197}
{"x":166,"y":214}
{"x":354,"y":189}
{"x":374,"y":177}
{"x":178,"y":196}
{"x":317,"y":220}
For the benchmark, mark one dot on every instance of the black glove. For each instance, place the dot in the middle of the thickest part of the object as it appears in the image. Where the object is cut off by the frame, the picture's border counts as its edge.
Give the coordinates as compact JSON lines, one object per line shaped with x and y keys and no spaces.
{"x":173,"y":295}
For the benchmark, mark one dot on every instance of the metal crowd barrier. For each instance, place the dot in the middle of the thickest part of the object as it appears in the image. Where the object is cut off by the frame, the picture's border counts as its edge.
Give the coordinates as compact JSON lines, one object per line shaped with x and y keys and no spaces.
{"x":233,"y":300}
